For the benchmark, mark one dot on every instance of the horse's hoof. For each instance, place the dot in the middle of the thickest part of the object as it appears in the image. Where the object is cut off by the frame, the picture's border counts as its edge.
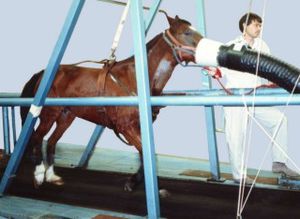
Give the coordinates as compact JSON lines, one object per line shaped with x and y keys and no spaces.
{"x":58,"y":182}
{"x":38,"y":180}
{"x":39,"y":175}
{"x":163,"y":193}
{"x":36,"y":183}
{"x":52,"y":178}
{"x":128,"y":187}
{"x":55,"y":180}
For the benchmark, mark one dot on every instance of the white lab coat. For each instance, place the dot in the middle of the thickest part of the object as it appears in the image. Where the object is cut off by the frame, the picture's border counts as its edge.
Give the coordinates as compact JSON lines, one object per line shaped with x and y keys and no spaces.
{"x":236,"y":118}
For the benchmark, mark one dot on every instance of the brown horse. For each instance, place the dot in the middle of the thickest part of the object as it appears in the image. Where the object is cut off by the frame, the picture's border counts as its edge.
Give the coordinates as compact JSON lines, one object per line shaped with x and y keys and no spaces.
{"x":164,"y":52}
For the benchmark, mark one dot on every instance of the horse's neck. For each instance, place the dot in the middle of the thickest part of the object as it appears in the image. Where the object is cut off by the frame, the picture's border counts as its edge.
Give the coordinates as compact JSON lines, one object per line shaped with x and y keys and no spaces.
{"x":161,"y":66}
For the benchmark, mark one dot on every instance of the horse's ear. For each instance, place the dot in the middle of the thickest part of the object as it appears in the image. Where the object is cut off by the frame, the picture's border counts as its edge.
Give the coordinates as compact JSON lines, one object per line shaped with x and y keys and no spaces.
{"x":171,"y":20}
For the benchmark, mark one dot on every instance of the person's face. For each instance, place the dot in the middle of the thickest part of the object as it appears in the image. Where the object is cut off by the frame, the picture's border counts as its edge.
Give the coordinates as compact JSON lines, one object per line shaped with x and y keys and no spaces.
{"x":253,"y":29}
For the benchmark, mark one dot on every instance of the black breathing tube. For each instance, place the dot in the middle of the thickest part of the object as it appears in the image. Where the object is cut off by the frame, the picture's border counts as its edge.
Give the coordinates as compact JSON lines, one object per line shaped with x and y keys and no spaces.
{"x":269,"y":67}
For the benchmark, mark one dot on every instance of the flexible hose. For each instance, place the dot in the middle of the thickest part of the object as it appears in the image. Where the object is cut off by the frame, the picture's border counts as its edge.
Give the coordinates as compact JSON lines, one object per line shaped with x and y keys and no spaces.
{"x":270,"y":68}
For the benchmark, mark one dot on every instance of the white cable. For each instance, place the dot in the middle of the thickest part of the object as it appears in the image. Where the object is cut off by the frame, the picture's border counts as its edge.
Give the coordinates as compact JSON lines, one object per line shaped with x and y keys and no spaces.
{"x":242,"y":187}
{"x":119,"y":30}
{"x":252,"y":112}
{"x":272,"y":141}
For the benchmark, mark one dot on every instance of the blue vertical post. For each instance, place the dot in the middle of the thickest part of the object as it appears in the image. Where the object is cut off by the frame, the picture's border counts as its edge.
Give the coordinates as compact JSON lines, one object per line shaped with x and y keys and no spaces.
{"x":145,"y":112}
{"x":13,"y":124}
{"x":99,"y":130}
{"x":209,"y":111}
{"x":42,"y":91}
{"x":6,"y":132}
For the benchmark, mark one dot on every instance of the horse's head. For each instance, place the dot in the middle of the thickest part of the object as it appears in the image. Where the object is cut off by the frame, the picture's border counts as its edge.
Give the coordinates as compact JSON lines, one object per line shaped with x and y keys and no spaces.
{"x":183,"y":39}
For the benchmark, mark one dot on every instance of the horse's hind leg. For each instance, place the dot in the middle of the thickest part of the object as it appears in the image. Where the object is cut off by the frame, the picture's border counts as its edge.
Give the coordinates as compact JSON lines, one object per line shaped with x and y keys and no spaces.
{"x":36,"y":141}
{"x":63,"y":122}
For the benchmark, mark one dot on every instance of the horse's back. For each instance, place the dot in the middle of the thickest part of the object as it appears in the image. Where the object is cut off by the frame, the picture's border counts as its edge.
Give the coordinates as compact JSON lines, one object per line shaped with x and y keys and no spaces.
{"x":75,"y":81}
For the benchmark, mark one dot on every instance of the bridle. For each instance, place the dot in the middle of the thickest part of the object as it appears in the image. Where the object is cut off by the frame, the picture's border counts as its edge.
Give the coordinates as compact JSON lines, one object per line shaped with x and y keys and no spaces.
{"x":178,"y":48}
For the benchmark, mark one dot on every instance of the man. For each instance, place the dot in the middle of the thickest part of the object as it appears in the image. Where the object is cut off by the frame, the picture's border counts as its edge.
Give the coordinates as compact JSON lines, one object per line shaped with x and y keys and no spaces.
{"x":236,"y":118}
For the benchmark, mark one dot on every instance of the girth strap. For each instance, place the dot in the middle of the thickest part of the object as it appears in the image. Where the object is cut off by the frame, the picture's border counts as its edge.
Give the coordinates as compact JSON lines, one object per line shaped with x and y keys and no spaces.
{"x":101,"y":80}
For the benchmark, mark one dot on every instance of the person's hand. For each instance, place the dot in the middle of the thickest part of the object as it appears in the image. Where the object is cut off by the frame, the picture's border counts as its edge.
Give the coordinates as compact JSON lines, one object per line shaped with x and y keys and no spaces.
{"x":272,"y":85}
{"x":213,"y":71}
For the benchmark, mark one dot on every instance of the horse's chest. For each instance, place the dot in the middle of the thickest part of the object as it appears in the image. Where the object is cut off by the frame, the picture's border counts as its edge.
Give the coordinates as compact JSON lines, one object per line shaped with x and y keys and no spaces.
{"x":162,"y":74}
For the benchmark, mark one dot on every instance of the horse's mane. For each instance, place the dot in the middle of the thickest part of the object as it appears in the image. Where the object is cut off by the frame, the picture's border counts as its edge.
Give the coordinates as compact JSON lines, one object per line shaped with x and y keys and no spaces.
{"x":149,"y":45}
{"x":153,"y":41}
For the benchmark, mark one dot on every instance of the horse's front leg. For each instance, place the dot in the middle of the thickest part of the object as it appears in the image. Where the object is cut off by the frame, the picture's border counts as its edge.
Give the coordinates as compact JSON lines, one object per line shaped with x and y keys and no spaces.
{"x":136,"y":178}
{"x":134,"y":138}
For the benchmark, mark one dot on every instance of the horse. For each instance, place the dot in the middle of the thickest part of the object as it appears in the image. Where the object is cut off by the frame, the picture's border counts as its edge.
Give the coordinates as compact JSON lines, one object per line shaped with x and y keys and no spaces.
{"x":165,"y":51}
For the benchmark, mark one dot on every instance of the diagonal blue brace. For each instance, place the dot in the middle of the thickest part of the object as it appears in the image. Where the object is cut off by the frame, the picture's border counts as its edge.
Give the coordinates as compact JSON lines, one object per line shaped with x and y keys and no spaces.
{"x":84,"y":160}
{"x":209,"y":110}
{"x":145,"y":111}
{"x":99,"y":129}
{"x":41,"y":94}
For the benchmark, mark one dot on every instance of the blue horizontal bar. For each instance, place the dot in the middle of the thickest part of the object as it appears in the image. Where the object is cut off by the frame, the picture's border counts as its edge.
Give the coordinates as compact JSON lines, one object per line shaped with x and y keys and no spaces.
{"x":210,"y":92}
{"x":195,"y":100}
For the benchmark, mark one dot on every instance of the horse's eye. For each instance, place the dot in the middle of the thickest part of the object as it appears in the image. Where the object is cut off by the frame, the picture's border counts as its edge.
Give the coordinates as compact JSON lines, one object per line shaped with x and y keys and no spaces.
{"x":187,"y":32}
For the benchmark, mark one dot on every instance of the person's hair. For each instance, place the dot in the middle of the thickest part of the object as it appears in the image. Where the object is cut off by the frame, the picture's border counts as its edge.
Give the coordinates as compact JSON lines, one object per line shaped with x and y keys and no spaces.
{"x":251,"y":17}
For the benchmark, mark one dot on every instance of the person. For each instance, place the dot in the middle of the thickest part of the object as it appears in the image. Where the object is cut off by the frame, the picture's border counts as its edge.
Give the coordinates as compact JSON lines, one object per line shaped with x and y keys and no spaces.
{"x":236,"y":118}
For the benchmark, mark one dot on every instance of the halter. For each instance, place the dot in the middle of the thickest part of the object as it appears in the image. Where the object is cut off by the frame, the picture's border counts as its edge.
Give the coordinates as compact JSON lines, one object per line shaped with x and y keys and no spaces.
{"x":177,"y":46}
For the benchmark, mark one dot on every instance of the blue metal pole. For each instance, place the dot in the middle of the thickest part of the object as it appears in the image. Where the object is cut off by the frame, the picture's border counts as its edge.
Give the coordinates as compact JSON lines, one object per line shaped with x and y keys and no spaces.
{"x":99,"y":130}
{"x":189,"y":100}
{"x":6,"y":133}
{"x":43,"y":89}
{"x":206,"y":92}
{"x":145,"y":111}
{"x":91,"y":146}
{"x":151,"y":15}
{"x":13,"y":124}
{"x":209,"y":111}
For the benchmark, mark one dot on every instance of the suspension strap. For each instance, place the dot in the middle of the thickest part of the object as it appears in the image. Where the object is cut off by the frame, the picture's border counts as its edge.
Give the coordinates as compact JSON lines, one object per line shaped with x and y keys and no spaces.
{"x":119,"y":32}
{"x":115,"y":43}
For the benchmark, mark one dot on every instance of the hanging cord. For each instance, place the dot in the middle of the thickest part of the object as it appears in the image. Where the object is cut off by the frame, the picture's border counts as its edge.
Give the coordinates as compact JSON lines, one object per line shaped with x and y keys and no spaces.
{"x":112,"y":57}
{"x":124,"y":4}
{"x":252,"y":111}
{"x":242,"y":184}
{"x":272,"y":141}
{"x":119,"y":32}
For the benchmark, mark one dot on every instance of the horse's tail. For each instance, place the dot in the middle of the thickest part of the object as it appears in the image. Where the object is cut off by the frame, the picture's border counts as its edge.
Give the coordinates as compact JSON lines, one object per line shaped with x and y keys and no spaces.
{"x":29,"y":91}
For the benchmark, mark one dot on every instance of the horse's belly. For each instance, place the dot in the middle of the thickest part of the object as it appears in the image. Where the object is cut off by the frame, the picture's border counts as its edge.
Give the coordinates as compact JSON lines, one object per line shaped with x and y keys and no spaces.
{"x":95,"y":115}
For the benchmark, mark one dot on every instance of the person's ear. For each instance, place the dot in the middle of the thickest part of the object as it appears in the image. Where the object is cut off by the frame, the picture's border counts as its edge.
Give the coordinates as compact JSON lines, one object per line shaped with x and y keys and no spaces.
{"x":244,"y":26}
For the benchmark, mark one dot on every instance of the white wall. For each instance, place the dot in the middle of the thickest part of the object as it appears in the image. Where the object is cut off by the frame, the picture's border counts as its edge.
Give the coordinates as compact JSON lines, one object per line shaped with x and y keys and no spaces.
{"x":29,"y":30}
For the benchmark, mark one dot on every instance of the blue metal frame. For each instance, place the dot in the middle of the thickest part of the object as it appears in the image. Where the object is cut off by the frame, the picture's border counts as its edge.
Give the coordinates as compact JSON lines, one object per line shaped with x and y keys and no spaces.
{"x":151,"y":15}
{"x":145,"y":112}
{"x":197,"y":98}
{"x":209,"y":111}
{"x":43,"y":89}
{"x":6,"y":131}
{"x":13,"y":124}
{"x":98,"y":130}
{"x":91,"y":146}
